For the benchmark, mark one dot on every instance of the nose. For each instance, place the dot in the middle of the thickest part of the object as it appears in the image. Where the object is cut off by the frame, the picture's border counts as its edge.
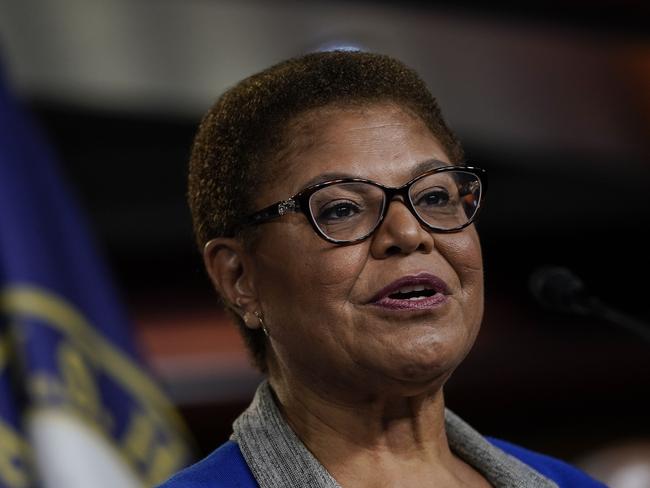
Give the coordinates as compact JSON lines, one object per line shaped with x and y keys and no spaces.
{"x":400,"y":233}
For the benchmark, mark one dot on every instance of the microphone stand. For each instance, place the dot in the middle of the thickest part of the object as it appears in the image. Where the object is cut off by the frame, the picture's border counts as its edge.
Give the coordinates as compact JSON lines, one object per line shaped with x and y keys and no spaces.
{"x":596,"y":308}
{"x":559,"y":288}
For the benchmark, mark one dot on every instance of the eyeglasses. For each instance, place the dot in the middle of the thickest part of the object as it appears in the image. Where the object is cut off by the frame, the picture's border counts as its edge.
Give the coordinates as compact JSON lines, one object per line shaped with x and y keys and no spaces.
{"x":345,"y":211}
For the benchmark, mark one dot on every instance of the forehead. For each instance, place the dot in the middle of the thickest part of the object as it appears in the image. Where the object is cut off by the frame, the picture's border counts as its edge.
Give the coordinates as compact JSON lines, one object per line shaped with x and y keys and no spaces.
{"x":381,"y":142}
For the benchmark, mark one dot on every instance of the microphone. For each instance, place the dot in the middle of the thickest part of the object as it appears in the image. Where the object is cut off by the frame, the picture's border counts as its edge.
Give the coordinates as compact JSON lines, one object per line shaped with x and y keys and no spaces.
{"x":558,"y":288}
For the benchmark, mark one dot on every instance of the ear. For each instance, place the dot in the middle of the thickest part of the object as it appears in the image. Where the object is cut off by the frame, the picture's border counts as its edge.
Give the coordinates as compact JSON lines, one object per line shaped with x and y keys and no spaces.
{"x":231,"y":272}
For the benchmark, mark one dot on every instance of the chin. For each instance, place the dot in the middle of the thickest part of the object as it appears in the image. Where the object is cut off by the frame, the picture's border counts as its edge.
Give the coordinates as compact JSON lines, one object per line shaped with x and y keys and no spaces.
{"x":432,"y":366}
{"x":421,"y":373}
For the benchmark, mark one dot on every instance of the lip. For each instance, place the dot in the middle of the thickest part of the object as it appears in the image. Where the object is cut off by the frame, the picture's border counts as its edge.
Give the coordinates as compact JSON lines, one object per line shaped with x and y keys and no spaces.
{"x":382,"y":299}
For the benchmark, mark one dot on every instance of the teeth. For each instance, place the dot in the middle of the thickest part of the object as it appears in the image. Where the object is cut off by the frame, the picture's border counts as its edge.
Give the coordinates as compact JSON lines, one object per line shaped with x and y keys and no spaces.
{"x":409,"y":289}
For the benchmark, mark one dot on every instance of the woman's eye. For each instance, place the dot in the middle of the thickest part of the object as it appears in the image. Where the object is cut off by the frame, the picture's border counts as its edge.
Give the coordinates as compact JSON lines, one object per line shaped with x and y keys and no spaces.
{"x":437,"y":197}
{"x":339,"y":211}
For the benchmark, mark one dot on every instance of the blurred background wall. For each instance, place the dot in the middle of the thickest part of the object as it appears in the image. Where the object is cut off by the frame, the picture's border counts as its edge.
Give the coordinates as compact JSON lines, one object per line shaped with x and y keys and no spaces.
{"x":553,"y":99}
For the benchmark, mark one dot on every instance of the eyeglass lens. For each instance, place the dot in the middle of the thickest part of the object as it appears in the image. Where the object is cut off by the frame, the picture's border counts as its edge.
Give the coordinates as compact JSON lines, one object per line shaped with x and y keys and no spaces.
{"x":350,"y":210}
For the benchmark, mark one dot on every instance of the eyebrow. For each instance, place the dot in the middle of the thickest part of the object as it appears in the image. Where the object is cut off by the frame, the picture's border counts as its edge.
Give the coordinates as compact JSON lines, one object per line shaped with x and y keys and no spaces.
{"x":421,"y":167}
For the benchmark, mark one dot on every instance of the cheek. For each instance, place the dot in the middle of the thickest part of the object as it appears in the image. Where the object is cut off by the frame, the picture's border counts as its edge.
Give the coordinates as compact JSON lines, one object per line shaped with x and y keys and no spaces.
{"x":463,"y":252}
{"x":304,"y":287}
{"x":307,"y":275}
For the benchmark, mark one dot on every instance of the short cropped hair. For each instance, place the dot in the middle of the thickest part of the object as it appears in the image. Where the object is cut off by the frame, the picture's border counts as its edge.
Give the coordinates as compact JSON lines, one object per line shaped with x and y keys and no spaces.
{"x":241,"y":136}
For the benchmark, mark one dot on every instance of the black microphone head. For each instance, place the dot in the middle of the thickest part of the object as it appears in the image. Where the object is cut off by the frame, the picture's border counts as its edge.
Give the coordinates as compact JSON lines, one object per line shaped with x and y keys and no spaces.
{"x":559,"y":288}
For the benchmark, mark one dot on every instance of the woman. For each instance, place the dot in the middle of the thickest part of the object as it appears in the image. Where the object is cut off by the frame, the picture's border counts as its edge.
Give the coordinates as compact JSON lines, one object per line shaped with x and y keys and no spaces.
{"x":336,"y":219}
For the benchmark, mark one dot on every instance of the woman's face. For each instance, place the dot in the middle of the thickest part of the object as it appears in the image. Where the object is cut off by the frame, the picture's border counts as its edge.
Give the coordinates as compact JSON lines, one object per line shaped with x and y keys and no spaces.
{"x":318,"y":298}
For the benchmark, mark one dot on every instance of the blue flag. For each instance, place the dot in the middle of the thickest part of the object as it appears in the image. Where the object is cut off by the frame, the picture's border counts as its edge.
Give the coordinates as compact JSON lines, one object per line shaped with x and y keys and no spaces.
{"x":76,"y":407}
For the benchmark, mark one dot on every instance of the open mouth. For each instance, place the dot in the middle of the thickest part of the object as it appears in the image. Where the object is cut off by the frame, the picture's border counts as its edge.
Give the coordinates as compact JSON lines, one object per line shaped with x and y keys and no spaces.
{"x":413,"y":293}
{"x":419,"y":291}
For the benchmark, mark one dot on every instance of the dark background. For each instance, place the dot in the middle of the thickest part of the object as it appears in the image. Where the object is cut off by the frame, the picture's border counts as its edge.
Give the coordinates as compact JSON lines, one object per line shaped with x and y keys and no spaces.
{"x":554,"y":101}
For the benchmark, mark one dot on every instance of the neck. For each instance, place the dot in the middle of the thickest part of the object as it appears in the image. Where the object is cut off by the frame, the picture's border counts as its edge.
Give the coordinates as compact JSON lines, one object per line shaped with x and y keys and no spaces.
{"x":374,"y":421}
{"x":371,"y":437}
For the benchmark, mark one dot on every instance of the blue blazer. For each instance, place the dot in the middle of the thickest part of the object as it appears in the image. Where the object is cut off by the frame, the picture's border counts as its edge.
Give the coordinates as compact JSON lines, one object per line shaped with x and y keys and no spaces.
{"x":226,"y":468}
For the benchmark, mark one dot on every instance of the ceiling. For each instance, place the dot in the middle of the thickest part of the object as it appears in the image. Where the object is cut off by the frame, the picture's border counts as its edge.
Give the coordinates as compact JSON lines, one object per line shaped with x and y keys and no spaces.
{"x":502,"y":80}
